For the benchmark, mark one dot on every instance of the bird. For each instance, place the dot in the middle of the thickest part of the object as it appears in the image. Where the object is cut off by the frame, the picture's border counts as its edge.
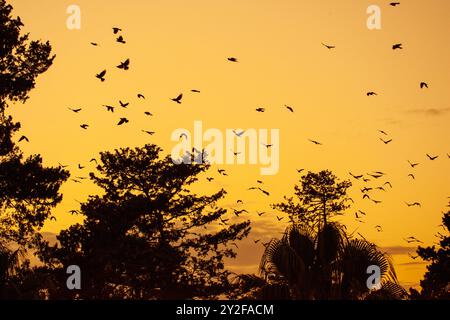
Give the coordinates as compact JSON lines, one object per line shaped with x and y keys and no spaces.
{"x":289,"y":108}
{"x":386,"y":141}
{"x":432,"y":157}
{"x":383,"y":132}
{"x":256,"y":241}
{"x":300,"y":170}
{"x":75,"y":110}
{"x":141,"y":96}
{"x":412,"y":176}
{"x":222,"y":172}
{"x":371,"y":93}
{"x":279,"y":218}
{"x":73,"y":212}
{"x":123,"y":104}
{"x":84,"y":126}
{"x":116,"y":30}
{"x":413,"y":257}
{"x":394,"y":4}
{"x":101,"y":75}
{"x":413,"y":239}
{"x":413,"y":164}
{"x":315,"y":142}
{"x":328,"y":46}
{"x":267,"y":145}
{"x":239,"y":134}
{"x":80,"y":166}
{"x":260,"y":213}
{"x":124,"y":65}
{"x":376,"y":176}
{"x":259,"y":181}
{"x":380,"y":188}
{"x":366,"y":179}
{"x":183,"y":135}
{"x":24,"y":138}
{"x":210,"y":179}
{"x":388,"y":183}
{"x":109,"y":108}
{"x":121,"y":40}
{"x":122,"y":121}
{"x":356,"y":176}
{"x":178,"y":99}
{"x":147,"y":113}
{"x":414,"y":204}
{"x":238,"y":212}
{"x":239,"y":201}
{"x":423,"y":85}
{"x":397,"y":46}
{"x":93,"y":160}
{"x":366,"y":196}
{"x":366,"y":189}
{"x":260,"y":109}
{"x":232,"y":59}
{"x":376,"y":201}
{"x":94,"y":44}
{"x":149,"y":132}
{"x":195,"y":91}
{"x":378,"y":227}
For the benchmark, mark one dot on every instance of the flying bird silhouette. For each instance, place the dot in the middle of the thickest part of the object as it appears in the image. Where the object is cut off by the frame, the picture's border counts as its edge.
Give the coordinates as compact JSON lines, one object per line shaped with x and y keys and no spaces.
{"x":432,"y":157}
{"x":413,"y":165}
{"x":394,"y":4}
{"x":141,"y":96}
{"x":116,"y":30}
{"x":149,"y":132}
{"x":397,"y":46}
{"x":24,"y":138}
{"x":260,"y":109}
{"x":84,"y":126}
{"x":94,"y":44}
{"x":178,"y":99}
{"x":315,"y":142}
{"x":232,"y":59}
{"x":123,"y":104}
{"x":371,"y":93}
{"x":414,"y":204}
{"x":122,"y":121}
{"x":386,"y":141}
{"x":383,"y":132}
{"x":356,"y":176}
{"x":328,"y":46}
{"x":147,"y":113}
{"x":121,"y":40}
{"x":124,"y":65}
{"x":109,"y":108}
{"x":239,"y":134}
{"x":75,"y":110}
{"x":412,"y":176}
{"x":423,"y":85}
{"x":289,"y":108}
{"x":101,"y":75}
{"x":195,"y":91}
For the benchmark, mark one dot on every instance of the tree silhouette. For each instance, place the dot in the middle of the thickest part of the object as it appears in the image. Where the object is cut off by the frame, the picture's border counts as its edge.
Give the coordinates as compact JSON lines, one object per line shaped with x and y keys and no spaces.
{"x":436,"y":282}
{"x":320,"y":196}
{"x":28,"y":190}
{"x":316,"y":259}
{"x":306,"y":264}
{"x":146,"y":237}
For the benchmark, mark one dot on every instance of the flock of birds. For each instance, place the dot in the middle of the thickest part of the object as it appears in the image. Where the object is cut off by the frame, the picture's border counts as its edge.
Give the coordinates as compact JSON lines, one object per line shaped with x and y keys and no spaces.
{"x":366,"y":191}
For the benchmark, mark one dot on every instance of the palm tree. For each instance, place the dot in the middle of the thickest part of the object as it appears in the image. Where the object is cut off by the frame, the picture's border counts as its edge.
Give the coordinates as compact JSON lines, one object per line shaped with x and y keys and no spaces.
{"x":326,"y":264}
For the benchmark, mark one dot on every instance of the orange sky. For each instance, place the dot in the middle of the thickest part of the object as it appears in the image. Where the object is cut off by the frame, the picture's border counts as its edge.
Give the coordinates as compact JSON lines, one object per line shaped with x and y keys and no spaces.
{"x":175,"y":46}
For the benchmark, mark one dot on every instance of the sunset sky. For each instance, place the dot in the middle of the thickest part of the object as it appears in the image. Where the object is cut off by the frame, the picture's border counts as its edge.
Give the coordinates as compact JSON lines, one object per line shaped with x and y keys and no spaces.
{"x":175,"y":46}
